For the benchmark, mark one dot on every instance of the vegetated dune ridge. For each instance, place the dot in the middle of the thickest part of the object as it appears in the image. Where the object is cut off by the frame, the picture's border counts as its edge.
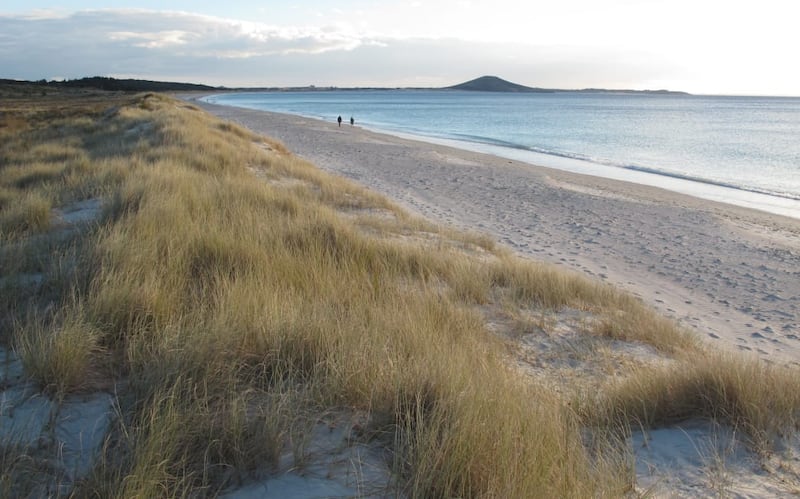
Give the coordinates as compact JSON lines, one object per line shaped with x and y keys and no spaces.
{"x":231,"y":321}
{"x":732,"y":274}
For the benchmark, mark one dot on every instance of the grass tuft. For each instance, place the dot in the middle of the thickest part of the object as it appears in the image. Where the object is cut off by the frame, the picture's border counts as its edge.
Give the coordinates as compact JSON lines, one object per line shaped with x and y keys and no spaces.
{"x":59,"y":353}
{"x":25,"y":214}
{"x":761,"y":400}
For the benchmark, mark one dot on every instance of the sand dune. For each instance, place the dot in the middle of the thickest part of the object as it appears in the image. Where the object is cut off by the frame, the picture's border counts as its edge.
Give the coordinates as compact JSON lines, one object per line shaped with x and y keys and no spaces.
{"x":730,"y":273}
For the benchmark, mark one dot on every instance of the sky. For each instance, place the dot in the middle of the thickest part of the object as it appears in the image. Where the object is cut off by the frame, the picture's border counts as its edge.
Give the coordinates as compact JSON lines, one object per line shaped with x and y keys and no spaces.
{"x":698,"y":46}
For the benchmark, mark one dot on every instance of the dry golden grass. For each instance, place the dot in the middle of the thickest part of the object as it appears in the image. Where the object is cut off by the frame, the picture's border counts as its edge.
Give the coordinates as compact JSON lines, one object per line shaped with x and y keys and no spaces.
{"x":759,"y":400}
{"x":58,"y":353}
{"x":229,"y":305}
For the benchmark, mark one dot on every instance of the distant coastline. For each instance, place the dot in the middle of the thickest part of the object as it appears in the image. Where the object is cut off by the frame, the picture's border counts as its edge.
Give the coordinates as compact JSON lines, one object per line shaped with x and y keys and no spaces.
{"x":481,"y":84}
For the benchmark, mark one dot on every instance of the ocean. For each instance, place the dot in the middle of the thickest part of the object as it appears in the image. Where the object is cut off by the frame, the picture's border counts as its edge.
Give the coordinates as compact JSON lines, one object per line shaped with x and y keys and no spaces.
{"x":740,"y":150}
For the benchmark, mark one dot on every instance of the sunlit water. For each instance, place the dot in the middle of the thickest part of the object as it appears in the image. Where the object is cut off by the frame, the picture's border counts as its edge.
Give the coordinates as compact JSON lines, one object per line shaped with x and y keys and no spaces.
{"x":741,"y":150}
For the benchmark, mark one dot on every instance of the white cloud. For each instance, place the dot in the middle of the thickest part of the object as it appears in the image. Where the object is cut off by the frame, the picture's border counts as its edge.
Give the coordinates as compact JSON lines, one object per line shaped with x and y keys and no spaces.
{"x":191,"y":47}
{"x":153,"y":40}
{"x":123,"y":31}
{"x":42,"y":14}
{"x":180,"y":46}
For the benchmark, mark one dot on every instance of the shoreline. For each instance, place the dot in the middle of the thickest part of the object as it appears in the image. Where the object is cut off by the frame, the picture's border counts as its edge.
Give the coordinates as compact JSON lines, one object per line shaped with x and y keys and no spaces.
{"x":697,"y":188}
{"x":709,"y":190}
{"x":728,"y":272}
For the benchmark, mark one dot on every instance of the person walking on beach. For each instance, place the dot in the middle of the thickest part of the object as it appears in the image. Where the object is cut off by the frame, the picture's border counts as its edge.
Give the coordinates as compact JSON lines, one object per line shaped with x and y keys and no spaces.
{"x":339,"y":119}
{"x":352,"y":121}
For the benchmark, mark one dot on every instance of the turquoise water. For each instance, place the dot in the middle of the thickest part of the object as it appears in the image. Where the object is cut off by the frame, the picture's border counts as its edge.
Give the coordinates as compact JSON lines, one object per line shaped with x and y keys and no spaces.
{"x":740,"y":147}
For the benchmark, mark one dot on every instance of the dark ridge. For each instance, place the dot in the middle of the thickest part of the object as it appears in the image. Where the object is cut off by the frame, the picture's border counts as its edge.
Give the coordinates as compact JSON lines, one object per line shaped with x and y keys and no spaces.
{"x":113,"y":84}
{"x":131,"y":85}
{"x":494,"y":84}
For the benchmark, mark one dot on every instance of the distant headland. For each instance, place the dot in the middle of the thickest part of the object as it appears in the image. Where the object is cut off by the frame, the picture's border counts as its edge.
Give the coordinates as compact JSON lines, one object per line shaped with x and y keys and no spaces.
{"x":481,"y":84}
{"x":496,"y":84}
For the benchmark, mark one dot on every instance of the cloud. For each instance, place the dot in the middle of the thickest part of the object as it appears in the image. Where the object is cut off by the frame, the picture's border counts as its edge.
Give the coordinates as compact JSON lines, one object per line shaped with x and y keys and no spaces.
{"x":153,"y":40}
{"x":104,"y":39}
{"x":619,"y":44}
{"x":180,"y":46}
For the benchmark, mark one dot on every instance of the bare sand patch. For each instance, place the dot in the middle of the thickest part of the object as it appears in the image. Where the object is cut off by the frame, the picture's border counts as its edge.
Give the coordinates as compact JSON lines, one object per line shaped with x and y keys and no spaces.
{"x":66,"y":434}
{"x":702,"y":459}
{"x":79,"y":212}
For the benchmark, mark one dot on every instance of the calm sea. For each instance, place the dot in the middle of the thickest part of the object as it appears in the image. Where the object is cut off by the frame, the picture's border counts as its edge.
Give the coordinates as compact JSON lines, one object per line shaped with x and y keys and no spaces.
{"x":743,"y":150}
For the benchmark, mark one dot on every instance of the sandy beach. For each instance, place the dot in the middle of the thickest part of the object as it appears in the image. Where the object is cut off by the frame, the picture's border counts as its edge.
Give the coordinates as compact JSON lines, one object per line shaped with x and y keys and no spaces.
{"x":729,"y":273}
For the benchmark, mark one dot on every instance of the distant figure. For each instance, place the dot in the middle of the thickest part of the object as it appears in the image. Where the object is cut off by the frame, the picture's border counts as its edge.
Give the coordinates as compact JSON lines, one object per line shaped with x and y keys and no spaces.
{"x":339,"y":119}
{"x":352,"y":121}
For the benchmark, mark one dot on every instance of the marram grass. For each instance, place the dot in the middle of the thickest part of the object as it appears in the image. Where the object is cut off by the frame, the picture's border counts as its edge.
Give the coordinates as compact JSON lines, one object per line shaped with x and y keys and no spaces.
{"x":230,"y":290}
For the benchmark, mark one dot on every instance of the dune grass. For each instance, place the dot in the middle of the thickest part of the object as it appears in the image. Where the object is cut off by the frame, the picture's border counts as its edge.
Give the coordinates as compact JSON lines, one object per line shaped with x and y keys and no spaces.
{"x":228,"y":307}
{"x":58,"y":353}
{"x":756,"y":399}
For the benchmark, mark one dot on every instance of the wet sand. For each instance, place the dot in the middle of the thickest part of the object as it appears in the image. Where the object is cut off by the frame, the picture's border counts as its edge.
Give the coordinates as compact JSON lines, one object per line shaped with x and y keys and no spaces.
{"x":732,"y":274}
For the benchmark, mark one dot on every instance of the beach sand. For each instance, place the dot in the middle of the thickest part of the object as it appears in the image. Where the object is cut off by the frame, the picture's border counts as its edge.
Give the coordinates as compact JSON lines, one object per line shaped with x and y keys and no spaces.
{"x":731,"y":274}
